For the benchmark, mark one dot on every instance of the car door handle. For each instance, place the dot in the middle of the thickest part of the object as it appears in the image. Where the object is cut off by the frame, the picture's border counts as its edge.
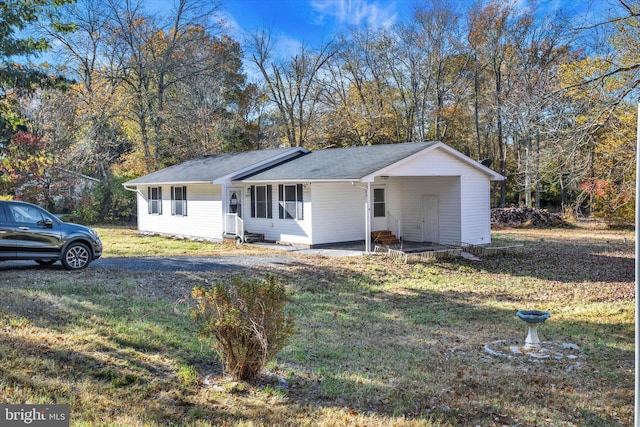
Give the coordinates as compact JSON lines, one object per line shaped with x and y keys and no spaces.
{"x":23,"y":228}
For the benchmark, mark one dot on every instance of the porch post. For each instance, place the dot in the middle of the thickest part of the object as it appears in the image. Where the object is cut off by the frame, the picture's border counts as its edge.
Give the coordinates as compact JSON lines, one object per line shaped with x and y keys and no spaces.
{"x":367,"y":220}
{"x":225,"y":211}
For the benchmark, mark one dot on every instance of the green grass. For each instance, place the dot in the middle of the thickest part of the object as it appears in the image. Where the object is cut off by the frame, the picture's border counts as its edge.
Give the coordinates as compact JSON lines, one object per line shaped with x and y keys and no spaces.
{"x":377,"y":343}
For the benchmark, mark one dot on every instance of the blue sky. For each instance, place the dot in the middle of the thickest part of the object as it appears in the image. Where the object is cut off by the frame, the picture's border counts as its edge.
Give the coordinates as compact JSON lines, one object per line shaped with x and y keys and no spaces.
{"x":304,"y":19}
{"x":313,"y":21}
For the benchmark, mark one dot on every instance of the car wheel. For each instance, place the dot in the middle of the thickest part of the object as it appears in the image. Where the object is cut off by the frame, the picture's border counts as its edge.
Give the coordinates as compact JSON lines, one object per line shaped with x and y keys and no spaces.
{"x":76,"y":256}
{"x":46,"y":262}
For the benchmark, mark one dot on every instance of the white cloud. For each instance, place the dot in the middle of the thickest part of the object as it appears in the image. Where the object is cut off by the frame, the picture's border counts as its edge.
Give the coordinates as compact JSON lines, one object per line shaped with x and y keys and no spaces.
{"x":373,"y":14}
{"x":229,"y":25}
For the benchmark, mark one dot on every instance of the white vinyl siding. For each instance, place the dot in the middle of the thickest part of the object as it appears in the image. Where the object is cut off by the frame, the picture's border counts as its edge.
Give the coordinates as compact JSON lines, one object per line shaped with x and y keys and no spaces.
{"x":292,"y":231}
{"x":338,"y":212}
{"x":205,"y":214}
{"x":475,"y":208}
{"x":447,"y":189}
{"x":463,"y":191}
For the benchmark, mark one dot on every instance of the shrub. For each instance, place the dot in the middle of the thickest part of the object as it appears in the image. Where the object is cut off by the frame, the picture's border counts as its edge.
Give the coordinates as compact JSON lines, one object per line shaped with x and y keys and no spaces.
{"x":247,"y":318}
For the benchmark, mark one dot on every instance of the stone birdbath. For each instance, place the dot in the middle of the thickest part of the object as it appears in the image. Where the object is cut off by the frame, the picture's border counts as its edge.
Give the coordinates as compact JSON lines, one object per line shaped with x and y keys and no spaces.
{"x":533,"y":318}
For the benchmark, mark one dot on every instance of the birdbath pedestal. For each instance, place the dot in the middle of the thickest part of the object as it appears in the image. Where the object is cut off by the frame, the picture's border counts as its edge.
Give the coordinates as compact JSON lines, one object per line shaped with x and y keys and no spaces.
{"x":533,"y":318}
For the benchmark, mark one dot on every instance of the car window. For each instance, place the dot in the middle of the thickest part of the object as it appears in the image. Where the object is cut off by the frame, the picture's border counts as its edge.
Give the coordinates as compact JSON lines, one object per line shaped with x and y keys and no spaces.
{"x":3,"y":217}
{"x":26,"y":214}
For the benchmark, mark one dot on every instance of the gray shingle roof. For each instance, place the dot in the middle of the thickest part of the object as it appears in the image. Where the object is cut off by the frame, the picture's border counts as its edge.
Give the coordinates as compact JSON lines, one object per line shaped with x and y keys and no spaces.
{"x":209,"y":168}
{"x":340,"y":163}
{"x":291,"y":164}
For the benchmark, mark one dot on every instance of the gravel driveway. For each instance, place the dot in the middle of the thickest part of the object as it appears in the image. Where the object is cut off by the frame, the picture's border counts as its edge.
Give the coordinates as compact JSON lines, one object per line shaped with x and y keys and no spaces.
{"x":284,"y":256}
{"x":195,"y":264}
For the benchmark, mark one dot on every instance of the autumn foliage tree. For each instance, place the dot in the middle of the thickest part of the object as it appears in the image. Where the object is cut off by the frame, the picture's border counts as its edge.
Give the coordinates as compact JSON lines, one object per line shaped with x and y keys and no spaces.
{"x":26,"y":169}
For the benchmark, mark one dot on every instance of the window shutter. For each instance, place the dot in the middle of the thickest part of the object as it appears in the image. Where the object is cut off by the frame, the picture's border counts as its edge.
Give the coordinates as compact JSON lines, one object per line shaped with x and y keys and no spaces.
{"x":269,"y":202}
{"x":253,"y":201}
{"x":173,"y":200}
{"x":159,"y":200}
{"x":299,"y":201}
{"x":184,"y":200}
{"x":149,"y":200}
{"x":281,"y":201}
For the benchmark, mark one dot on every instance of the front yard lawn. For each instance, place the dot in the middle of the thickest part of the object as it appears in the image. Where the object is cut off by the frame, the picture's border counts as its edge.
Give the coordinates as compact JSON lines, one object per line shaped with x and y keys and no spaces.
{"x":377,"y":342}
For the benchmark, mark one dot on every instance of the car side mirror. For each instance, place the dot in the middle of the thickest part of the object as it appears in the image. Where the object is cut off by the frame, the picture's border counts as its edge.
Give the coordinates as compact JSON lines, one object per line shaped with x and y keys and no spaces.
{"x":47,"y":223}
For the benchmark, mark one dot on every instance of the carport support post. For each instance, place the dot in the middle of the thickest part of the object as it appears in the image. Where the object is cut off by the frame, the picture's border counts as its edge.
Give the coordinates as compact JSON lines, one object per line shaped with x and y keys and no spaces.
{"x":367,"y":219}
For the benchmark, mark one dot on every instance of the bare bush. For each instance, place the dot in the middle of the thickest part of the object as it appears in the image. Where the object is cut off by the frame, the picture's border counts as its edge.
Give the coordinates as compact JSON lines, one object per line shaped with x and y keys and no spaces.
{"x":248,"y":320}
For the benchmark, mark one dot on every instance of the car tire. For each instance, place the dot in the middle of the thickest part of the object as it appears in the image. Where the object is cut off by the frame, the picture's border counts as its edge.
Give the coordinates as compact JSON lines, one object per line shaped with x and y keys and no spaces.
{"x":46,"y":262}
{"x":76,"y":256}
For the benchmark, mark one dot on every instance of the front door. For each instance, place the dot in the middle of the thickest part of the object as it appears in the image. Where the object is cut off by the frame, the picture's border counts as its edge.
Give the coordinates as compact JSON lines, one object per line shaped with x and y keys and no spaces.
{"x":430,"y":219}
{"x":235,"y":202}
{"x":234,"y":211}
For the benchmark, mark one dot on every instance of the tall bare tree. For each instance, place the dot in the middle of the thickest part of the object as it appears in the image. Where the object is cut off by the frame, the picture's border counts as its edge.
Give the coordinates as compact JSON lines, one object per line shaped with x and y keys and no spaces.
{"x":292,"y":84}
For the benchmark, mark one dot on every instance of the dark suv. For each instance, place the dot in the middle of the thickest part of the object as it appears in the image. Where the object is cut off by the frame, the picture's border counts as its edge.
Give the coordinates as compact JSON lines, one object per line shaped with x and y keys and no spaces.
{"x":29,"y":232}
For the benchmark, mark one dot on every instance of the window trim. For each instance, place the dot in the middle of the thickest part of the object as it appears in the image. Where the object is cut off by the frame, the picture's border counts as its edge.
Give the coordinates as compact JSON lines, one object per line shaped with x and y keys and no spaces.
{"x":297,"y":202}
{"x":182,"y":201}
{"x":382,"y":203}
{"x":256,"y":203}
{"x":154,"y":202}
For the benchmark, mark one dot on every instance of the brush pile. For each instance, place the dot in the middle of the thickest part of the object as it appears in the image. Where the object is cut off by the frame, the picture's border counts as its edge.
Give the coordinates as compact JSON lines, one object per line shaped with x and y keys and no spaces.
{"x":525,"y":217}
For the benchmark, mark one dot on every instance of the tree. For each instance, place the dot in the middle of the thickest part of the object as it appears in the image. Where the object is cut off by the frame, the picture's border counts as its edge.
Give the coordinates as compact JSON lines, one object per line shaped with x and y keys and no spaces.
{"x":206,"y":112}
{"x":15,"y":77}
{"x":26,"y":169}
{"x":292,"y":85}
{"x":602,"y":84}
{"x":357,"y":95}
{"x":539,"y":53}
{"x":490,"y":35}
{"x":144,"y":56}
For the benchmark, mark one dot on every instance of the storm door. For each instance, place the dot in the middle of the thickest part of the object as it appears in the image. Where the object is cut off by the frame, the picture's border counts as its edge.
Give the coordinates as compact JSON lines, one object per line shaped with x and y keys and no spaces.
{"x":235,"y":201}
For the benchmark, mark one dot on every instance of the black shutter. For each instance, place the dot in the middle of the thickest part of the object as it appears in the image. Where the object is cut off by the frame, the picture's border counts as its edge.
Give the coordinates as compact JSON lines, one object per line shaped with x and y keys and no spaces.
{"x":281,"y":201}
{"x":269,"y":202}
{"x":149,"y":200}
{"x":253,"y":201}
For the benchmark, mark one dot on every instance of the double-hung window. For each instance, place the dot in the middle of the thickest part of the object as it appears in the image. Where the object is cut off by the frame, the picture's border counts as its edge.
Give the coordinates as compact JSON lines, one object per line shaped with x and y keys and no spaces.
{"x":154,"y":197}
{"x":261,"y":201}
{"x":179,"y":201}
{"x":379,"y":205}
{"x":290,"y":201}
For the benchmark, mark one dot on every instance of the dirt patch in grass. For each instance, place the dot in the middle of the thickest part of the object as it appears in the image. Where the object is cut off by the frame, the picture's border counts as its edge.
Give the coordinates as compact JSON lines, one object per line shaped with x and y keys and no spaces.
{"x":377,"y":342}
